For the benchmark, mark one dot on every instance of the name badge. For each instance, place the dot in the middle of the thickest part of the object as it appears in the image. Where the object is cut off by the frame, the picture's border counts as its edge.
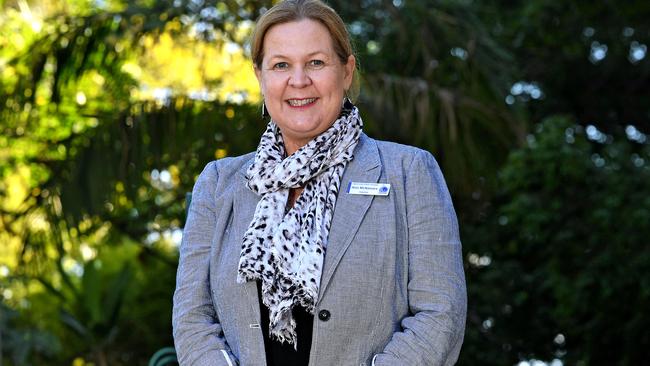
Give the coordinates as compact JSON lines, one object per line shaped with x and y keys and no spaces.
{"x":369,"y":189}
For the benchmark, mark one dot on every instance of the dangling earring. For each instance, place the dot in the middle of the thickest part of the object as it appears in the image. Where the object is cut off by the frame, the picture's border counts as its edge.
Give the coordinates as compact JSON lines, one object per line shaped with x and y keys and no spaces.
{"x":347,"y":104}
{"x":265,"y":113}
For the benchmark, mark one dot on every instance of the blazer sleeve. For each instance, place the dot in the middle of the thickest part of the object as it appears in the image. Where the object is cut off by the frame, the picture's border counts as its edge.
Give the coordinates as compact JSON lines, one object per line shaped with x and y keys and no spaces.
{"x":433,"y":333}
{"x":198,"y":336}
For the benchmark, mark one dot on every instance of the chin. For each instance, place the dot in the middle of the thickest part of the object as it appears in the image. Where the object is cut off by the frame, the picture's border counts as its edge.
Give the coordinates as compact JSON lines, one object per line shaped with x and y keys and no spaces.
{"x":301,"y":125}
{"x":304,"y":133}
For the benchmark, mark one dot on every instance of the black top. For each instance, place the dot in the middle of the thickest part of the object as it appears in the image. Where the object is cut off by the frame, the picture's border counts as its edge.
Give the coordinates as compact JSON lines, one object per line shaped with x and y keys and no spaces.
{"x":283,"y":354}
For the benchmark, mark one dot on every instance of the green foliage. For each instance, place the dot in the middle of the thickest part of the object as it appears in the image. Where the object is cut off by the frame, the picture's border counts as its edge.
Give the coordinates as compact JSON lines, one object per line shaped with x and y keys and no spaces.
{"x":566,"y":242}
{"x":93,"y":179}
{"x":20,"y":342}
{"x":101,"y":206}
{"x":552,"y":43}
{"x":93,"y":186}
{"x":433,"y":76}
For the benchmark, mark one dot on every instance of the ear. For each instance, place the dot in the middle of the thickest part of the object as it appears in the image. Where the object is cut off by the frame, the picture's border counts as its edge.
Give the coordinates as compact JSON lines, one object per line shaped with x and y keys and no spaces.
{"x":258,"y":75}
{"x":349,"y":68}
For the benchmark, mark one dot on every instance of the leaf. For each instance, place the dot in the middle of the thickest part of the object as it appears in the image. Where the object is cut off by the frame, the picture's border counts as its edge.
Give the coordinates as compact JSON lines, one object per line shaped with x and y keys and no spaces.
{"x":74,"y":324}
{"x":116,"y":293}
{"x":91,"y":293}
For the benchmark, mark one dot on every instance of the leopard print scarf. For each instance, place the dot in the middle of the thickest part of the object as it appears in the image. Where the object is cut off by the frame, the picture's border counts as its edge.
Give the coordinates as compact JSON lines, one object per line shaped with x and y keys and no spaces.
{"x":285,"y":250}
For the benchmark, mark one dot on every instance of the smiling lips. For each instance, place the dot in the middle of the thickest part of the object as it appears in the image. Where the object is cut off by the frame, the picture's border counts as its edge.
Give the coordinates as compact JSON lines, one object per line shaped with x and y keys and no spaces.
{"x":300,"y":102}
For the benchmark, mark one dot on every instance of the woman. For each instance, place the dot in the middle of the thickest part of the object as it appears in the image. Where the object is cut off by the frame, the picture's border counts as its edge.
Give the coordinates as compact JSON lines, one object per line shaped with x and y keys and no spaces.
{"x":325,"y":247}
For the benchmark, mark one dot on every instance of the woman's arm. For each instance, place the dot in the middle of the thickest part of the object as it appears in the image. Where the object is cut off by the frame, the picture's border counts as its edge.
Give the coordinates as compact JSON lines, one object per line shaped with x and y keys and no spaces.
{"x":436,"y":285}
{"x":197,"y":333}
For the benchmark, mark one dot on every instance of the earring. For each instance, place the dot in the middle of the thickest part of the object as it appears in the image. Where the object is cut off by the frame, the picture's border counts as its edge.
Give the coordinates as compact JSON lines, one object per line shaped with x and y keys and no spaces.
{"x":347,"y":103}
{"x":265,"y":113}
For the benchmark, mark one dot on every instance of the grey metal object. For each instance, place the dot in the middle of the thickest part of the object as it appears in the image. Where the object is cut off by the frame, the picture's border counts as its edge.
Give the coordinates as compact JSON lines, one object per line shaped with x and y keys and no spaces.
{"x":164,"y":357}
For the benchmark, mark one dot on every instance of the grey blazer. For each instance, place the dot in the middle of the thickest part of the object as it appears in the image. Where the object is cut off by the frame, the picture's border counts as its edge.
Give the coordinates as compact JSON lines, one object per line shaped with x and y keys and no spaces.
{"x":392,"y":281}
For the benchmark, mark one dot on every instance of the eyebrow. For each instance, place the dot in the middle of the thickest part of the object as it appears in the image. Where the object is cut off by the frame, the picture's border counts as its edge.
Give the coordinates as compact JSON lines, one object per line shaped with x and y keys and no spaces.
{"x":308,"y":55}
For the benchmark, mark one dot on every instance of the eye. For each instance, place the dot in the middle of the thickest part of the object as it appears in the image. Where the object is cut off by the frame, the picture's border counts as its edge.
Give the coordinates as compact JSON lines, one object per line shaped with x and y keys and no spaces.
{"x":281,"y":66}
{"x":316,"y":64}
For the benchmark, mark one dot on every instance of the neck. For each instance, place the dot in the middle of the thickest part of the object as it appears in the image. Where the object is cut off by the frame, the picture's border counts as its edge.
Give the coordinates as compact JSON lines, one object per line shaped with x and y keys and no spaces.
{"x":291,"y":145}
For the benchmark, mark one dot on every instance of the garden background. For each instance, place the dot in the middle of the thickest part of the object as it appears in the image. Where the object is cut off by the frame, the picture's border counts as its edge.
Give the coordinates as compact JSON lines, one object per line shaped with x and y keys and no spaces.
{"x":538,"y":112}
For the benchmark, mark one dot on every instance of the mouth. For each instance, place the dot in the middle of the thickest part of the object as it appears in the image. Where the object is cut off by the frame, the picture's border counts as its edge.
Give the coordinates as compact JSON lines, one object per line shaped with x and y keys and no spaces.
{"x":301,"y":102}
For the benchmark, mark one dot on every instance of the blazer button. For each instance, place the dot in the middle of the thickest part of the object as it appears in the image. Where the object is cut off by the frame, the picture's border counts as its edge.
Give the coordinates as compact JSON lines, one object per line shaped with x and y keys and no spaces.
{"x":324,"y":315}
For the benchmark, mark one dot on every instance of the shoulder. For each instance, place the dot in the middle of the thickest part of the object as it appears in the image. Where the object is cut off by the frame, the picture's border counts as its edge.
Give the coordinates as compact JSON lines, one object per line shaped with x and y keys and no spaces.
{"x":224,"y":171}
{"x":230,"y":166}
{"x":399,"y":157}
{"x":399,"y":151}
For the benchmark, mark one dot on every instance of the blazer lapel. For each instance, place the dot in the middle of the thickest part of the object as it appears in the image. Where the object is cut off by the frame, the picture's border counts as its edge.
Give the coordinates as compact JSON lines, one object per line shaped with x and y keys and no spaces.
{"x":350,"y":209}
{"x":244,"y":204}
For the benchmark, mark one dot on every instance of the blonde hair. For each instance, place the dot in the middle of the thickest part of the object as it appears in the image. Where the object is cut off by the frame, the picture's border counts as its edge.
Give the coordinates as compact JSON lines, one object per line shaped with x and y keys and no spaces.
{"x":296,"y":10}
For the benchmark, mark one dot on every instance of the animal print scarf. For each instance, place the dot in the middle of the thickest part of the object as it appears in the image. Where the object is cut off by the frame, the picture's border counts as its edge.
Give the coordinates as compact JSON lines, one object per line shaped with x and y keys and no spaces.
{"x":286,"y":249}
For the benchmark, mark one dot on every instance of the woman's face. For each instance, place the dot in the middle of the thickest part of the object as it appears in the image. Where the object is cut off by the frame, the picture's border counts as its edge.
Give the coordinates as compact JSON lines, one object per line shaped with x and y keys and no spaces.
{"x":303,"y":80}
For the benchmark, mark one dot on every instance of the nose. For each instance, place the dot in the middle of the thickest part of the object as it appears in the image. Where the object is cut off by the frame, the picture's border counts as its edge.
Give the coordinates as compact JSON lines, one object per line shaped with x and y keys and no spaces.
{"x":299,"y":78}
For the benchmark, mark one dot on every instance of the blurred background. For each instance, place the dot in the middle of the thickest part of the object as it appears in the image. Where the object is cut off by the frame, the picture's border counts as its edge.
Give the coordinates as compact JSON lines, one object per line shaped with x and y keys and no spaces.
{"x":538,"y":112}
